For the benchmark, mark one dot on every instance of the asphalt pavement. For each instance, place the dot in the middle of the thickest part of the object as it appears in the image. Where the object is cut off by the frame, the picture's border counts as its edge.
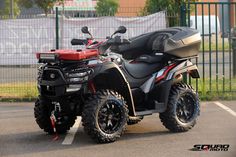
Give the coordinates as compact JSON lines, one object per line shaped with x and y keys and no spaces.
{"x":21,"y":137}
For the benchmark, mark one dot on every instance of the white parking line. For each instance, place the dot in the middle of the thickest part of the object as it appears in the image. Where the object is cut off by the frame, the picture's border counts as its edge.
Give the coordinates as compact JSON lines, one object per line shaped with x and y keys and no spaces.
{"x":71,"y":134}
{"x":225,"y":108}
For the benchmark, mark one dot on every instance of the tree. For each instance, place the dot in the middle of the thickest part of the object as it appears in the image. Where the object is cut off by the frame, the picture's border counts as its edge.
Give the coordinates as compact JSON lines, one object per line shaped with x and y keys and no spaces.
{"x":26,"y":3}
{"x":171,"y":6}
{"x":7,"y":8}
{"x":107,"y":7}
{"x":46,"y":5}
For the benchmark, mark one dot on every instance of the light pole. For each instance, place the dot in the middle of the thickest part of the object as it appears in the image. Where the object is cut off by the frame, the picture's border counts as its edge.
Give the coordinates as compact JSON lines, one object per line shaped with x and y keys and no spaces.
{"x":12,"y":8}
{"x":62,"y":24}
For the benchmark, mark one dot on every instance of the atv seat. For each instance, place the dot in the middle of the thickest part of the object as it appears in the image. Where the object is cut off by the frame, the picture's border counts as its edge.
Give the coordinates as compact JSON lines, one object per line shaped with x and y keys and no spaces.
{"x":141,"y":70}
{"x":145,"y":44}
{"x":151,"y":59}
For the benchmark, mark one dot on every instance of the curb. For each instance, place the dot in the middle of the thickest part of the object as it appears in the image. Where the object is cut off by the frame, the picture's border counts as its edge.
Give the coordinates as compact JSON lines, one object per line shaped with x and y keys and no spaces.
{"x":17,"y":99}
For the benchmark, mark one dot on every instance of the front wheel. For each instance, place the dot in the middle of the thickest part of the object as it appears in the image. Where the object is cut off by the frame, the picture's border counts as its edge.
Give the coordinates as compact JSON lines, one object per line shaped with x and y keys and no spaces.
{"x":182,"y":110}
{"x":105,"y":116}
{"x":42,"y":113}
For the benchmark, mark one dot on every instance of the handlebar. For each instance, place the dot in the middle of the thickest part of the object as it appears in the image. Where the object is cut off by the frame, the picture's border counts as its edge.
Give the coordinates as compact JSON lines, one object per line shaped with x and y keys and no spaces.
{"x":79,"y":42}
{"x":112,"y":43}
{"x":117,"y":41}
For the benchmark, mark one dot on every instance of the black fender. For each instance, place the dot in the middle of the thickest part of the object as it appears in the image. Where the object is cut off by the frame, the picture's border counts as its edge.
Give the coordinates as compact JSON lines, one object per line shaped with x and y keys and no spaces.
{"x":109,"y":76}
{"x":165,"y":86}
{"x":184,"y":67}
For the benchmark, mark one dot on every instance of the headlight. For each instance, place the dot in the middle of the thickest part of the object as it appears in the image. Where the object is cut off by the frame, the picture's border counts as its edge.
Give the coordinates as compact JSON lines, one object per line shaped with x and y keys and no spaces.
{"x":47,"y":56}
{"x":78,"y":79}
{"x":77,"y":74}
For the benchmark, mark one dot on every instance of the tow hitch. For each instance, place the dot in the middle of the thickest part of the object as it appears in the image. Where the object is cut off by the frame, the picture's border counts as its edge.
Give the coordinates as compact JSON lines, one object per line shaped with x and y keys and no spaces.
{"x":55,"y":119}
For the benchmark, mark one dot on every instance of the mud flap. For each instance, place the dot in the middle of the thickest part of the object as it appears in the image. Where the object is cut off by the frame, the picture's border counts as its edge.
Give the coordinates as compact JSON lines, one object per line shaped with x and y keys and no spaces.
{"x":160,"y":94}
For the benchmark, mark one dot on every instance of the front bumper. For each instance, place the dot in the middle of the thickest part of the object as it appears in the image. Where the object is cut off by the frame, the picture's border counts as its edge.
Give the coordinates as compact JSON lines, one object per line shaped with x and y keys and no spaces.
{"x":54,"y":82}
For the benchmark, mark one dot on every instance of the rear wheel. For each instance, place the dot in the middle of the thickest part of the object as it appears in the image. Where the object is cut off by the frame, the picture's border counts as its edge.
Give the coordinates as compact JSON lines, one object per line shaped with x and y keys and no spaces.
{"x":182,"y":110}
{"x":42,"y":113}
{"x":105,"y":116}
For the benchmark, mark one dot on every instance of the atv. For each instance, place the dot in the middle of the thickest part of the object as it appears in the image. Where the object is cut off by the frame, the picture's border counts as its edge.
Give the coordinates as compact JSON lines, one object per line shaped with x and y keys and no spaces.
{"x":119,"y":81}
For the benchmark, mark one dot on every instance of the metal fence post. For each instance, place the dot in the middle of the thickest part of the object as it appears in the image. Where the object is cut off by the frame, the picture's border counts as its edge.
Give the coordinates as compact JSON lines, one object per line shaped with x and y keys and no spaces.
{"x":183,"y":15}
{"x":183,"y":22}
{"x":12,"y":8}
{"x":234,"y":61}
{"x":57,"y":28}
{"x":233,"y":34}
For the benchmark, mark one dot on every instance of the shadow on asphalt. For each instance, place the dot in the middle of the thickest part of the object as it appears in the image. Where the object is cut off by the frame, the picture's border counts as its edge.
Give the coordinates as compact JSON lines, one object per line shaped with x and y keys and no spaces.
{"x":131,"y":136}
{"x":37,"y":142}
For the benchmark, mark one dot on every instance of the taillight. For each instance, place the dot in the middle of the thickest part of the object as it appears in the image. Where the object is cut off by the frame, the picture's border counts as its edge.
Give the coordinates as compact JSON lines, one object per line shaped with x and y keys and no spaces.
{"x":163,"y":72}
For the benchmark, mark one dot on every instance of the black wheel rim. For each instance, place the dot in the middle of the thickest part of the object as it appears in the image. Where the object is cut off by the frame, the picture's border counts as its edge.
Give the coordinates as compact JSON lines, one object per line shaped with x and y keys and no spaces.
{"x":110,"y":116}
{"x":186,"y":108}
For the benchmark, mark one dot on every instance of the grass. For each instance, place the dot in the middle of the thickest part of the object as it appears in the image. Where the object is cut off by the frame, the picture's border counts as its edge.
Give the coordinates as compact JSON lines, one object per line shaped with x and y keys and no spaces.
{"x":22,"y":90}
{"x":27,"y":91}
{"x":214,"y":46}
{"x":216,"y":90}
{"x":215,"y":43}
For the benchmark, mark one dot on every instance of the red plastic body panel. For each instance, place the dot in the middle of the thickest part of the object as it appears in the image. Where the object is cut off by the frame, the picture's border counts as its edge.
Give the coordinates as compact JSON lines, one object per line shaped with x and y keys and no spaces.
{"x":73,"y":54}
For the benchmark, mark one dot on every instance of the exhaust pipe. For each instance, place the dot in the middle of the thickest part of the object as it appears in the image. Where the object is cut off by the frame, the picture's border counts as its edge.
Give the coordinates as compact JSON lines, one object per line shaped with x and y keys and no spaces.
{"x":178,"y":78}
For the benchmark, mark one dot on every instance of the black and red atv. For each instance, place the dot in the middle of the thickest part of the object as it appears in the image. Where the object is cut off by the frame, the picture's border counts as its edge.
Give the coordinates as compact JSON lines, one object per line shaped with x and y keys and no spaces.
{"x":118,"y":82}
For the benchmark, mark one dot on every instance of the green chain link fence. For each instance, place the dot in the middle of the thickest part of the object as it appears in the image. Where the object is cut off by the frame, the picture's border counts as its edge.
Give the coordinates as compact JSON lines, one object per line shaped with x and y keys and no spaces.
{"x":216,"y":61}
